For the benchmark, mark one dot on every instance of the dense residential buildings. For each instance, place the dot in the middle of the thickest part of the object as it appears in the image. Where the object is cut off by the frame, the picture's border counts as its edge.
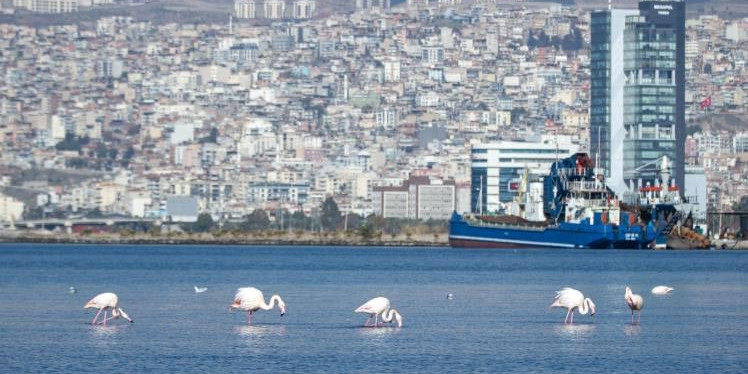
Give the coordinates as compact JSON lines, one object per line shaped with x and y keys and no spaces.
{"x":120,"y":116}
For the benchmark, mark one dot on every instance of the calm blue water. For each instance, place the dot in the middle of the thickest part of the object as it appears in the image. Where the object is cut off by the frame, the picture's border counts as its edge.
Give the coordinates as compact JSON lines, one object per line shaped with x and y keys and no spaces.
{"x":498,"y":320}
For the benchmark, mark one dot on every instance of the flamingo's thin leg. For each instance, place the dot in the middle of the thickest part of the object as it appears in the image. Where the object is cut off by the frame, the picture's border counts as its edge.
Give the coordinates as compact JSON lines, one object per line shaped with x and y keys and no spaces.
{"x":376,"y":320}
{"x":366,"y":324}
{"x":572,"y":318}
{"x":566,"y":320}
{"x":96,"y":317}
{"x":249,"y":317}
{"x":104,"y":322}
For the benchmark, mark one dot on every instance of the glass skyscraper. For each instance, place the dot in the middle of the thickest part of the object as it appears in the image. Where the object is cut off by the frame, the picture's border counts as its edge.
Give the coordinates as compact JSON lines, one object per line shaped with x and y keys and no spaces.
{"x":637,"y":66}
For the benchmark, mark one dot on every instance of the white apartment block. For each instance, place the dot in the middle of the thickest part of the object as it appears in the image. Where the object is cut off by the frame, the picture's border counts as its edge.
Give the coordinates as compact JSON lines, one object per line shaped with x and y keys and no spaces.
{"x":391,"y":70}
{"x":737,"y":31}
{"x":11,"y":210}
{"x":387,"y":118}
{"x":304,"y":9}
{"x":48,"y":6}
{"x":22,"y":4}
{"x":368,"y":4}
{"x":432,"y":55}
{"x":275,"y":9}
{"x":497,"y":168}
{"x":434,"y":201}
{"x":245,"y":9}
{"x":417,"y":3}
{"x":418,"y":198}
{"x":740,"y":142}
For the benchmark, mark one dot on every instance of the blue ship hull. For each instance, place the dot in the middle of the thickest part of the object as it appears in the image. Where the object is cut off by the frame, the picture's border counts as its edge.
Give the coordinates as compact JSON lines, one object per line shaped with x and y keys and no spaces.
{"x":563,"y":235}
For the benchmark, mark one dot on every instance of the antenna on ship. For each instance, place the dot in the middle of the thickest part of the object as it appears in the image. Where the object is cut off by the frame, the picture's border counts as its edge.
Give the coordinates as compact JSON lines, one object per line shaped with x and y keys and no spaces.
{"x":480,"y":197}
{"x":597,"y":154}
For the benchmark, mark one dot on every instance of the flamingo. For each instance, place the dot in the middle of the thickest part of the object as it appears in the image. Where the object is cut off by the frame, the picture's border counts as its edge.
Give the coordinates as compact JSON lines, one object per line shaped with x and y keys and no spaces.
{"x":635,"y":302}
{"x":200,"y":289}
{"x":377,"y":306}
{"x":250,"y":300}
{"x":662,"y":290}
{"x":103,"y":302}
{"x":571,"y":299}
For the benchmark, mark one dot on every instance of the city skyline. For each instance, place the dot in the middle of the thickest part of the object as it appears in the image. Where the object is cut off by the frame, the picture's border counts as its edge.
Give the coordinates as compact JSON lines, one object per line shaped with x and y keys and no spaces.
{"x":336,"y":106}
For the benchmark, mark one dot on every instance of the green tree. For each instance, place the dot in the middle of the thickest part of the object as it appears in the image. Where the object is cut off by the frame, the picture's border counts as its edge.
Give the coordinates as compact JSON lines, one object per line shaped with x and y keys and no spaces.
{"x":71,"y":143}
{"x":299,"y":220}
{"x":257,"y":220}
{"x":330,"y":218}
{"x":204,"y":223}
{"x":741,"y":206}
{"x":366,"y":232}
{"x":101,"y":151}
{"x":94,"y":213}
{"x":353,"y":221}
{"x":129,"y":152}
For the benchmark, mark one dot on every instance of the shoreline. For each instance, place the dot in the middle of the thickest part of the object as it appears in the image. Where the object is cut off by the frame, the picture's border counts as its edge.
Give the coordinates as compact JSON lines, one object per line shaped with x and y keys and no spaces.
{"x":272,"y":241}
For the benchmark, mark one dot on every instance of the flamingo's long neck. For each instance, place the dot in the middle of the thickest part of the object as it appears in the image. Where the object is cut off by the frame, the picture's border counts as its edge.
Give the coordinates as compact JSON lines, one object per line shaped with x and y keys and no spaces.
{"x":273,"y":300}
{"x":585,"y":307}
{"x":388,"y":315}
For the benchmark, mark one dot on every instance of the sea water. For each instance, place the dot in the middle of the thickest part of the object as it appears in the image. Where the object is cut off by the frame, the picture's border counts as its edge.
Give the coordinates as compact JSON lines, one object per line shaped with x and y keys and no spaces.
{"x":498,"y":319}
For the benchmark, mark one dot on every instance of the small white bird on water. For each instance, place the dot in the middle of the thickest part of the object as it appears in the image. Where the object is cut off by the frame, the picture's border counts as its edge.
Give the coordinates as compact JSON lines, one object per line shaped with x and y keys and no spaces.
{"x":662,"y":290}
{"x":635,"y":302}
{"x":200,"y":289}
{"x":449,"y":296}
{"x":377,"y":306}
{"x":571,"y":299}
{"x":250,"y":300}
{"x":104,"y":302}
{"x":72,"y":289}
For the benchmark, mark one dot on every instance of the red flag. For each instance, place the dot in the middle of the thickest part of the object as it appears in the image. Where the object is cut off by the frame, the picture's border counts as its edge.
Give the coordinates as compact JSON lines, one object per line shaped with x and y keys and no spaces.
{"x":706,"y":103}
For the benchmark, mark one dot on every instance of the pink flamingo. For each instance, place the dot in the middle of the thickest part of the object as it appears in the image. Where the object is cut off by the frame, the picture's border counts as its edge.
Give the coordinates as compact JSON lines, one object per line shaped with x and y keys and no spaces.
{"x":377,"y":306}
{"x":250,"y":300}
{"x":104,"y":302}
{"x":571,"y":299}
{"x":635,"y":302}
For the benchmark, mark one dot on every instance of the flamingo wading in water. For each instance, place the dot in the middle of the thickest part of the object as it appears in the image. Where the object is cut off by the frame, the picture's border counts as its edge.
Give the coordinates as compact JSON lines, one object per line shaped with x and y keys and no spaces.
{"x":250,"y":300}
{"x":635,"y":302}
{"x":571,"y":299}
{"x":380,"y":306}
{"x":662,"y":290}
{"x":104,"y":302}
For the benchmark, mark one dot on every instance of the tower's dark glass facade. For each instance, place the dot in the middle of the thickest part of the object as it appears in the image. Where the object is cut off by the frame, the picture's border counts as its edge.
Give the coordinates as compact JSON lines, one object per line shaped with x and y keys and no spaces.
{"x":638,"y":90}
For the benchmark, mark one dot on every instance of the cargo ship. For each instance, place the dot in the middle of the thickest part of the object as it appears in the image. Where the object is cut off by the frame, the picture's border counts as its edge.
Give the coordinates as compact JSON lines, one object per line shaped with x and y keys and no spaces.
{"x":572,"y":207}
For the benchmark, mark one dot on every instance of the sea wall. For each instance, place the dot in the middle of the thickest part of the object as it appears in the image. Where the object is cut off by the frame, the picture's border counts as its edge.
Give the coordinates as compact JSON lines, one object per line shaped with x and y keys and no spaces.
{"x":338,"y":239}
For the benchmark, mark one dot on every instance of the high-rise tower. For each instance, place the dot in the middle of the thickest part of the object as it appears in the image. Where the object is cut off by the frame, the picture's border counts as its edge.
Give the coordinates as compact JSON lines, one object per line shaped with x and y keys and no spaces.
{"x":637,"y":91}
